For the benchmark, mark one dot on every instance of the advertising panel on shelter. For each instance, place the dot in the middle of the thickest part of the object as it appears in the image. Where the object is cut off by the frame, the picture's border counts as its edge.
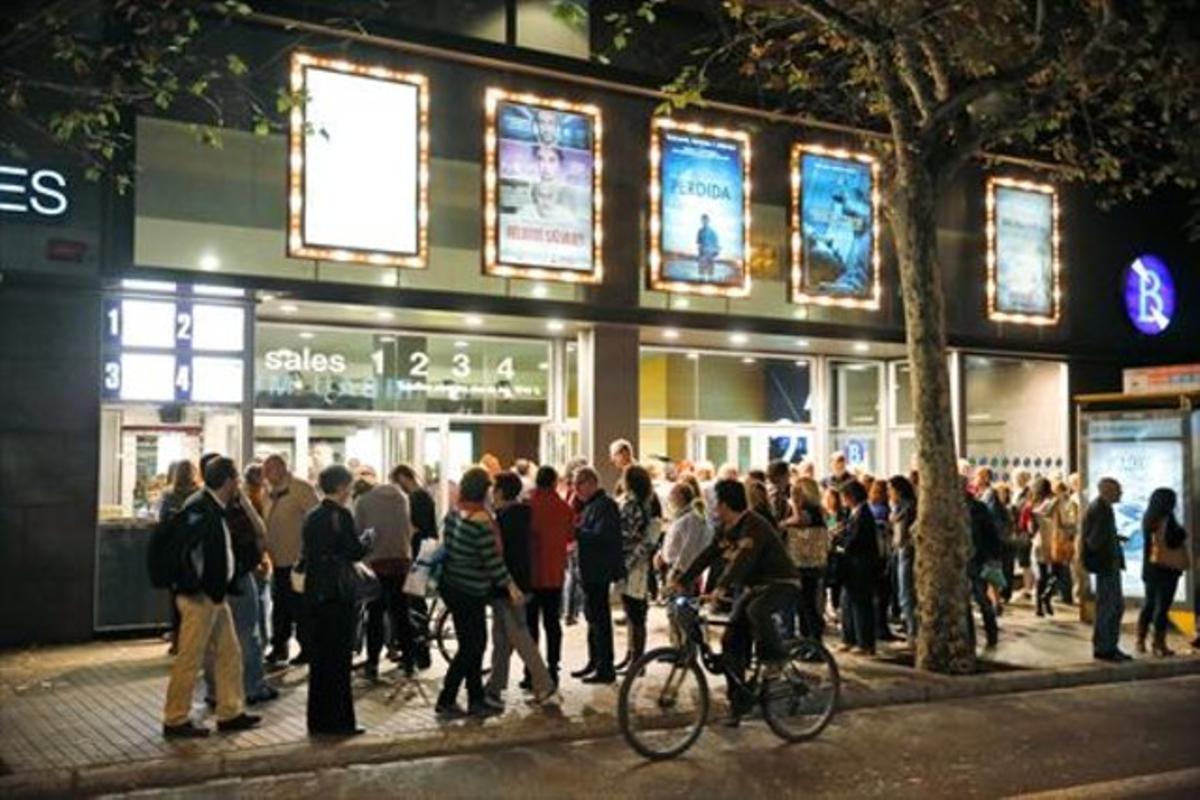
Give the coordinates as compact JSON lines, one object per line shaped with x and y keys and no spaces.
{"x":835,"y":228}
{"x":1023,"y":264}
{"x":699,"y":209}
{"x":358,"y":168}
{"x":542,"y":188}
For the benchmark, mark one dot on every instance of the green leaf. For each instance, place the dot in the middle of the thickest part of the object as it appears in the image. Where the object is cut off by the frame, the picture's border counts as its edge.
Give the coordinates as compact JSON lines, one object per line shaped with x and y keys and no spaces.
{"x":235,"y":64}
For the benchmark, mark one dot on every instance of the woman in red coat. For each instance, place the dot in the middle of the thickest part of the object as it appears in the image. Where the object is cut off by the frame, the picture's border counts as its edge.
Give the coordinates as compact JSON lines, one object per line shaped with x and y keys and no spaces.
{"x":551,"y":532}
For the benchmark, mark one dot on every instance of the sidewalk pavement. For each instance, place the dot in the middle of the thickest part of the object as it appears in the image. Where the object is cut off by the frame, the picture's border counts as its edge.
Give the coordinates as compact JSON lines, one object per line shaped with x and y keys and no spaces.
{"x":87,"y":718}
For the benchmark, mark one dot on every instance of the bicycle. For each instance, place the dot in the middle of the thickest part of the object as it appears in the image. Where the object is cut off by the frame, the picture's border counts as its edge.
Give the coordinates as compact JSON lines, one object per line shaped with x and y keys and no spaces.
{"x":663,"y":703}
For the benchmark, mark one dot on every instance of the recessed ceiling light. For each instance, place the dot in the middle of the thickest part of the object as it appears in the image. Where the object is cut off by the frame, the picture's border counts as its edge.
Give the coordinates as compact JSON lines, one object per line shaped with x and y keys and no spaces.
{"x":461,"y":344}
{"x":555,"y":326}
{"x":387,"y":338}
{"x":541,"y":290}
{"x":738,"y":338}
{"x":802,"y":364}
{"x":670,"y":333}
{"x":209,"y":262}
{"x":307,"y":334}
{"x":803,"y":343}
{"x":682,"y":302}
{"x":384,"y":315}
{"x":693,"y":356}
{"x":861,"y":347}
{"x":289,"y":308}
{"x":389,"y":278}
{"x":747,"y":360}
{"x":473,"y":320}
{"x":800,"y":313}
{"x":543,"y":366}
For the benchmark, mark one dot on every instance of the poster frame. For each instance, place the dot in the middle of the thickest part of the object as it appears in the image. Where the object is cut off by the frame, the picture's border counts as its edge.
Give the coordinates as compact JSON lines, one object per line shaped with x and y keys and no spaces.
{"x":995,"y":312}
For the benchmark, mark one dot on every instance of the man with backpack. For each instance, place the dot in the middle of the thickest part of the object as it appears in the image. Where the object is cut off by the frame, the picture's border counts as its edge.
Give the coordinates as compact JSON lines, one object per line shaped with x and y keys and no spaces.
{"x":201,"y":549}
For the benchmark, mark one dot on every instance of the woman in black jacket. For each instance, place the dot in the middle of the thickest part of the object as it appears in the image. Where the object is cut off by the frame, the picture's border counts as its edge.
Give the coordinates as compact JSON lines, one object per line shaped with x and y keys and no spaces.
{"x":1165,"y":559}
{"x":330,"y":550}
{"x":859,"y":572}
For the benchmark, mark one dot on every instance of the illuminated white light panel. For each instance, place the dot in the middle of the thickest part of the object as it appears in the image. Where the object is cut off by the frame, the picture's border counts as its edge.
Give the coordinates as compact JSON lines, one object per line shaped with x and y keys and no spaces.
{"x":358,"y":169}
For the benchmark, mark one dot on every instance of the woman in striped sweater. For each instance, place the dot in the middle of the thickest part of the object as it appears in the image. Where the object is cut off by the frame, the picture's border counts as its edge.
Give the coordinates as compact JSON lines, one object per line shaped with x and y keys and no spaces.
{"x":473,"y":571}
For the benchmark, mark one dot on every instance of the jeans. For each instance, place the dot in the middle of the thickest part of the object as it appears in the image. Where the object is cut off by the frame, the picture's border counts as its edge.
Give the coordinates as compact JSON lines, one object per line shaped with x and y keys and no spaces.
{"x":753,"y":620}
{"x":1110,"y":606}
{"x":858,"y":615}
{"x":393,"y":603}
{"x":288,"y":613}
{"x":906,"y":563}
{"x":572,"y":591}
{"x":600,"y":630}
{"x":805,"y":605}
{"x":265,"y":608}
{"x":245,"y":610}
{"x":546,"y":604}
{"x":470,"y":626}
{"x":1160,"y":593}
{"x":510,"y":632}
{"x":1053,"y":579}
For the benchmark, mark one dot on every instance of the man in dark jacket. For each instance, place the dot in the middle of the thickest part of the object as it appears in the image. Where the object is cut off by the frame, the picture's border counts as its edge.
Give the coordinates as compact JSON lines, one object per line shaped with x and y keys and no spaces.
{"x":601,"y":562}
{"x":985,"y":547}
{"x":204,"y":615}
{"x":1104,"y":557}
{"x":757,"y":562}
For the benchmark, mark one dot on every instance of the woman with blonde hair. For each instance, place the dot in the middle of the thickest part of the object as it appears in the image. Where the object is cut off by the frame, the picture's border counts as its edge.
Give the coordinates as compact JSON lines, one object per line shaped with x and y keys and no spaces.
{"x":807,"y":541}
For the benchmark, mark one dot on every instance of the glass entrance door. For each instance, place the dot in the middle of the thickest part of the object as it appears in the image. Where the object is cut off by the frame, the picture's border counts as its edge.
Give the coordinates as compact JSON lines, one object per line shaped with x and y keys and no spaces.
{"x":751,"y":446}
{"x":311,"y":442}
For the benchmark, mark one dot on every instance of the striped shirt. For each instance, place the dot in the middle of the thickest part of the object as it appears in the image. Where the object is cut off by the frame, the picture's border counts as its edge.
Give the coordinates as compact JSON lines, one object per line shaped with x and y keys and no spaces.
{"x":474,"y":564}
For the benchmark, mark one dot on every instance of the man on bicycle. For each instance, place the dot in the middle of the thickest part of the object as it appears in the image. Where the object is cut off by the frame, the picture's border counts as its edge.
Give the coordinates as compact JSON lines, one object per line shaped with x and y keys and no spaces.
{"x":756,"y":562}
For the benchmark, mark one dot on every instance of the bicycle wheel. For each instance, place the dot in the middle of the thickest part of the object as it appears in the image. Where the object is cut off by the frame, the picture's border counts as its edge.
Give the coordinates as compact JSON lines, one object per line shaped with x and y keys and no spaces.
{"x":663,"y":704}
{"x":447,"y":640}
{"x":800,"y":701}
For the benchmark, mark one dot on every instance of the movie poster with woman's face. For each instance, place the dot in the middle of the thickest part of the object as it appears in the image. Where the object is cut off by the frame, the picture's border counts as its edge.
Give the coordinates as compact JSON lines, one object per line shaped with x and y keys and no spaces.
{"x":702,"y":211}
{"x":545,"y":163}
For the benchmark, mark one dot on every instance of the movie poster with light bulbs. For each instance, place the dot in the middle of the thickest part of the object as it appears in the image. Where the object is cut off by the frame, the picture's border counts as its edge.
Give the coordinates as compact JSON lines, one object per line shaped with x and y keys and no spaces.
{"x":542,"y":188}
{"x":358,"y":164}
{"x":1022,"y":257}
{"x":699,"y":209}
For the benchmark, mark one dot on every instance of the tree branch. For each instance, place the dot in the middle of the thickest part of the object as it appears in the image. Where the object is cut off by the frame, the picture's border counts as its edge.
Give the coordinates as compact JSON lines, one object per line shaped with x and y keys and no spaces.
{"x":845,"y":23}
{"x":939,"y":67}
{"x":920,"y":86}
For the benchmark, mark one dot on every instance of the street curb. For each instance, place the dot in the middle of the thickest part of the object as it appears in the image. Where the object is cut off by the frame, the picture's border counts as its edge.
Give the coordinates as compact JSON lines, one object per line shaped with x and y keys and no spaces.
{"x":462,"y":738}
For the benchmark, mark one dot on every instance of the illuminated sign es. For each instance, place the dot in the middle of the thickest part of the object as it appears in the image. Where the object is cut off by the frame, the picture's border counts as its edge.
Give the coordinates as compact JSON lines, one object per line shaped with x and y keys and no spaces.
{"x":41,"y":192}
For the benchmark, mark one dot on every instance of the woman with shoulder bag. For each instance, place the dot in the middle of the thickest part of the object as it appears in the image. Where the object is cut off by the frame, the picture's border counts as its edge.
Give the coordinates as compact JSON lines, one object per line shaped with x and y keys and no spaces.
{"x":1166,"y":558}
{"x":1048,"y":522}
{"x":330,"y":552}
{"x":903,"y":500}
{"x":807,"y":541}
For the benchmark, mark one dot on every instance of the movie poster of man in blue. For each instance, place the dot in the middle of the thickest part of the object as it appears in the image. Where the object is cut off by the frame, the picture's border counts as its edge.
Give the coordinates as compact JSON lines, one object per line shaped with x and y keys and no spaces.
{"x":545,"y":204}
{"x":703,"y":209}
{"x":837,"y":226}
{"x":1024,"y":252}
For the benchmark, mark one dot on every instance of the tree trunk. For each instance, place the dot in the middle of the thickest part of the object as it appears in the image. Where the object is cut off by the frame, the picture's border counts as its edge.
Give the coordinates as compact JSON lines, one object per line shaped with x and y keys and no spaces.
{"x":941,"y":536}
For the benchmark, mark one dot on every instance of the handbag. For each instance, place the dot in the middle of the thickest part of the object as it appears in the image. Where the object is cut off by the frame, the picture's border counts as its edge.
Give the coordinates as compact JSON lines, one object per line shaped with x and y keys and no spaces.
{"x":808,"y":547}
{"x":296,"y":577}
{"x":422,"y":579}
{"x":1062,"y":547}
{"x":1175,"y":558}
{"x":993,"y":573}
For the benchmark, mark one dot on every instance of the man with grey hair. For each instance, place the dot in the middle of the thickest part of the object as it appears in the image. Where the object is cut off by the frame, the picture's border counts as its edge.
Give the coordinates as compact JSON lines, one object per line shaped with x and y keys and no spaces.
{"x":601,"y":562}
{"x":288,"y":501}
{"x":1104,"y":557}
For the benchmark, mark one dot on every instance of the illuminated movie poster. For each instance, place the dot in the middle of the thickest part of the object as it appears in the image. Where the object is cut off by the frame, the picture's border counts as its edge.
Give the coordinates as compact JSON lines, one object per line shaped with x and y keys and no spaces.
{"x":543,"y":182}
{"x":700,"y":216}
{"x":1023,"y":274}
{"x":835,"y":242}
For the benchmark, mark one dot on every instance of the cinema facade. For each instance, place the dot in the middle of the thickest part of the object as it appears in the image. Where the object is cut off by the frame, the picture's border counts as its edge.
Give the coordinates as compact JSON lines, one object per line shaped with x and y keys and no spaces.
{"x":464,"y":248}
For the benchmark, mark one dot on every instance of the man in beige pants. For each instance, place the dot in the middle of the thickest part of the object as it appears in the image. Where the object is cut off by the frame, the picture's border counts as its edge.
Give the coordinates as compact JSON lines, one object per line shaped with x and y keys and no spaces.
{"x":205,"y":619}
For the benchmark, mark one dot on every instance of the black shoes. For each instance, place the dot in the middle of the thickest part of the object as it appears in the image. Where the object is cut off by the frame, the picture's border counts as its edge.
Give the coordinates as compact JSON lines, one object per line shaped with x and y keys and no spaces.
{"x":277,"y":657}
{"x":484,"y":710}
{"x":1116,"y":656}
{"x":583,"y":673}
{"x":265,"y":696}
{"x":601,"y":678}
{"x":242,"y":722}
{"x":448,"y":711}
{"x":188,"y":730}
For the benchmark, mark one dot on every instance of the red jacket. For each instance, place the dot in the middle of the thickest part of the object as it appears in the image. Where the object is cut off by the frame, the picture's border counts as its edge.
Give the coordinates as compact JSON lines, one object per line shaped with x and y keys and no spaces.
{"x":551,"y":529}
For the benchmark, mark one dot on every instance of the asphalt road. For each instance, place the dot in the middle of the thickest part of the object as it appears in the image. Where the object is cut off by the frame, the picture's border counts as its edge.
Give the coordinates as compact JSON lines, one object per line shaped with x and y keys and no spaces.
{"x":1126,"y":740}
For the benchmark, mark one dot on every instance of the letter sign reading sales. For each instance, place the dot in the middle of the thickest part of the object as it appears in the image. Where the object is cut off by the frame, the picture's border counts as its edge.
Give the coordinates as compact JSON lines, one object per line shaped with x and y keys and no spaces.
{"x":1149,"y":295}
{"x":358,"y":168}
{"x":35,"y":192}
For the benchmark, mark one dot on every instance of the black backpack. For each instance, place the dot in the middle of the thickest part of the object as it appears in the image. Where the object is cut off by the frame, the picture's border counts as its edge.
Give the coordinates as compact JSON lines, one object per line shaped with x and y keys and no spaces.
{"x":167,"y":557}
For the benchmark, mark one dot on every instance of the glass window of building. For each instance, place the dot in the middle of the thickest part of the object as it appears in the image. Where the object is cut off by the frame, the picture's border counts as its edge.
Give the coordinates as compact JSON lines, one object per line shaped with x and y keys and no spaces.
{"x":730,"y":408}
{"x":1016,"y":414}
{"x":855,"y":403}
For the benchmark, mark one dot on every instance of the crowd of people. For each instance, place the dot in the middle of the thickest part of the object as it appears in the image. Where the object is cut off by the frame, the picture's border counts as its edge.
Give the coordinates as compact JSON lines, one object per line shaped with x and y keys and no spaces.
{"x":276,"y":559}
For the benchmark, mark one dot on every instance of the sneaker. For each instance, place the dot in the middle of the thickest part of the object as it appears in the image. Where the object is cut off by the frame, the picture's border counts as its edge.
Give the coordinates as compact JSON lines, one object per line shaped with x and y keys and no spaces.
{"x":188,"y":730}
{"x":242,"y":722}
{"x":551,"y":699}
{"x":601,"y":678}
